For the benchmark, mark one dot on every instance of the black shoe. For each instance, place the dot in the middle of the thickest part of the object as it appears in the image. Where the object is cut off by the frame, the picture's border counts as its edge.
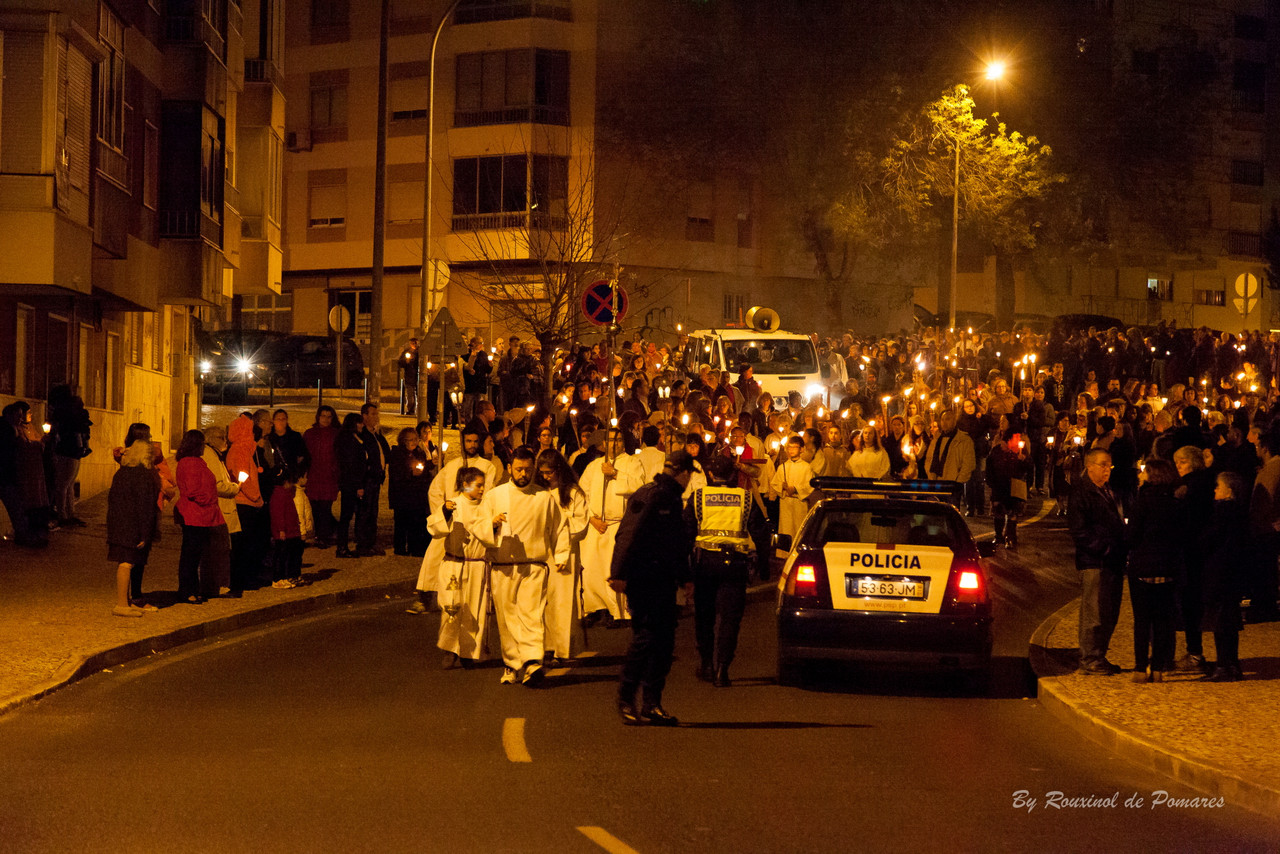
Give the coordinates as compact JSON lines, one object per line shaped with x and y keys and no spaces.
{"x":722,"y":678}
{"x":705,"y":672}
{"x":1099,"y":668}
{"x":657,"y":716}
{"x":343,"y":551}
{"x":1219,"y":674}
{"x":1194,"y":663}
{"x":627,"y":711}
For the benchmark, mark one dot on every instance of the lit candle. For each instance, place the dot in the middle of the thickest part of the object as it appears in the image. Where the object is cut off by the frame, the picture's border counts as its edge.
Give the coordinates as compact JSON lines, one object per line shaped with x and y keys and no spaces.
{"x":613,"y":422}
{"x":243,"y":476}
{"x":684,"y":419}
{"x":845,"y":414}
{"x":444,"y":446}
{"x":871,"y":423}
{"x":419,"y":466}
{"x":1049,"y":441}
{"x":529,"y":408}
{"x":46,"y":427}
{"x":738,"y":449}
{"x":591,"y":400}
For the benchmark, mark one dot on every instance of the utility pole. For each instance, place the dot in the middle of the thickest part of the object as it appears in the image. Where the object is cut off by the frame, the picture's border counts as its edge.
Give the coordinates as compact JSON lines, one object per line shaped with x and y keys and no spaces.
{"x":374,"y":387}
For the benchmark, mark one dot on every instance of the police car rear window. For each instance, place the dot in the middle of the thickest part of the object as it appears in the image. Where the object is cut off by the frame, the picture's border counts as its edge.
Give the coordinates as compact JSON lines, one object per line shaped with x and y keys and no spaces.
{"x":899,"y":526}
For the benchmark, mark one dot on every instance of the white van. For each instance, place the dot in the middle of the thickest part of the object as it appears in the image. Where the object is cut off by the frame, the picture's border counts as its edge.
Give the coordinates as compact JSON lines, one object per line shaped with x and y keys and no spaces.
{"x":782,"y":362}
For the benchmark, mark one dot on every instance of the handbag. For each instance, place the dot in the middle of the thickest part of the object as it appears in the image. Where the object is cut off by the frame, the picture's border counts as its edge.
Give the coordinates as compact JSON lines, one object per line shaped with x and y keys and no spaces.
{"x":1018,"y":488}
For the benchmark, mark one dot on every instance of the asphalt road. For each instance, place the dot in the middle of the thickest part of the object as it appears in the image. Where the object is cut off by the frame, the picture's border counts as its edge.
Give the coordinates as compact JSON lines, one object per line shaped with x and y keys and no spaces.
{"x":341,"y":733}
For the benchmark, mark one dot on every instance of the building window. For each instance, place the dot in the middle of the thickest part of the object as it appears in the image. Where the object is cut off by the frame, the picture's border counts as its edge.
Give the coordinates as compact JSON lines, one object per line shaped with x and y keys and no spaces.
{"x":275,"y":181}
{"x":272,"y":311}
{"x":112,"y":162}
{"x":512,"y":191}
{"x":404,"y":201}
{"x":700,"y":223}
{"x":330,"y":21}
{"x":1249,"y":86}
{"x":1210,"y":297}
{"x":476,"y":11}
{"x":408,"y":98}
{"x":212,"y":166}
{"x":1159,"y":288}
{"x":327,"y":206}
{"x":1246,"y":172}
{"x":1251,"y":27}
{"x":512,"y":86}
{"x":736,"y":307}
{"x":328,"y":107}
{"x":359,"y":303}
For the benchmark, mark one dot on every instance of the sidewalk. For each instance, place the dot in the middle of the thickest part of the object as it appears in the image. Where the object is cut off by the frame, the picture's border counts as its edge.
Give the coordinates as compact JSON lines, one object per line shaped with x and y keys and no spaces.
{"x":1219,"y":738}
{"x":56,"y":624}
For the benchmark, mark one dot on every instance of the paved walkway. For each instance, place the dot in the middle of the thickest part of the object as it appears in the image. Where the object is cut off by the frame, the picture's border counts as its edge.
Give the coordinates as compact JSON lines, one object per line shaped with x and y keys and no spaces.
{"x":1220,"y":738}
{"x":56,"y":623}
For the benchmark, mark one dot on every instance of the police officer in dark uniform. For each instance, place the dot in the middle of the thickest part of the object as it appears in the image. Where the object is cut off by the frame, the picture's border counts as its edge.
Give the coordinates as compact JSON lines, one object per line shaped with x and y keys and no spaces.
{"x":728,"y":525}
{"x":650,"y":563}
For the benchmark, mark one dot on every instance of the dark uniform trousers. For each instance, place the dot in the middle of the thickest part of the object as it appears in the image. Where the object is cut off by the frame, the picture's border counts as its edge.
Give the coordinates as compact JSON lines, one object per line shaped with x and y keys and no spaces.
{"x":653,"y":643}
{"x":367,"y":517}
{"x":720,"y":597}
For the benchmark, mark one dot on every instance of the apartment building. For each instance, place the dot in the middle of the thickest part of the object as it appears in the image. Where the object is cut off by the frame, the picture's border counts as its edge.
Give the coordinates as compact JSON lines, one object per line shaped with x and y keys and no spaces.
{"x":527,"y":204}
{"x":140,"y":152}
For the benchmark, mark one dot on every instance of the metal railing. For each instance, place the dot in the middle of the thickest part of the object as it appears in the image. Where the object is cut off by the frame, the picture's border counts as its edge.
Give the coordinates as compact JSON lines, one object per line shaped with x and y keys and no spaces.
{"x":511,"y":116}
{"x":477,"y":11}
{"x":1243,"y":243}
{"x":531,"y":220}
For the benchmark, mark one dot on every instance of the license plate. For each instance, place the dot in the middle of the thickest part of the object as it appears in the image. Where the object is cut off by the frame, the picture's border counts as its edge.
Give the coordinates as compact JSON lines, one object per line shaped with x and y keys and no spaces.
{"x":886,"y":588}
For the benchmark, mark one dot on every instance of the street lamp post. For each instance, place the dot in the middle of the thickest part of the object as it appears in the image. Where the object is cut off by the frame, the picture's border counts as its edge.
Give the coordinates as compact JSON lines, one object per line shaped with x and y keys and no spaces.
{"x":430,"y":298}
{"x":995,"y":71}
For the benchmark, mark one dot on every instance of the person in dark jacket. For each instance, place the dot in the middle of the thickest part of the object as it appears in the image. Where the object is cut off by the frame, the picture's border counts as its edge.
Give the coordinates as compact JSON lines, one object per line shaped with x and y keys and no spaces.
{"x":650,"y":563}
{"x":352,"y":462}
{"x":289,"y":446}
{"x":979,"y":426}
{"x":1156,"y":547}
{"x":322,"y":475}
{"x":1007,"y":463}
{"x":375,"y":474}
{"x":1225,"y":546}
{"x":409,"y":473}
{"x":1095,"y":518}
{"x":1195,"y":491}
{"x":133,"y":524}
{"x":69,"y":442}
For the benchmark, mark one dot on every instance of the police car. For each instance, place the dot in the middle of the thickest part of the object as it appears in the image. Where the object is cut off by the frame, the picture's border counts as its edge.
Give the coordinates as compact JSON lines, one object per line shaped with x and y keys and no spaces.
{"x":884,"y":572}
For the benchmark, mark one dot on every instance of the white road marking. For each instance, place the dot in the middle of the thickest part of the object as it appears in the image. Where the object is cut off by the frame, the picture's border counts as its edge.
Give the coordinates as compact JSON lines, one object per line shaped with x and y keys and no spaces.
{"x":607,"y":840}
{"x":513,"y":740}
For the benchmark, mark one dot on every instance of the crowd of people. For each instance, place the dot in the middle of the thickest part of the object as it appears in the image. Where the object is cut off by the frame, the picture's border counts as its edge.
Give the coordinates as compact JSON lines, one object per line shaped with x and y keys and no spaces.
{"x":1160,"y":446}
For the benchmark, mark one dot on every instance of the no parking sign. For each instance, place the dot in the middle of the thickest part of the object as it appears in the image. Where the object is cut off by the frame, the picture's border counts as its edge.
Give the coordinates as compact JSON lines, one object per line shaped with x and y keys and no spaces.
{"x":603,"y":302}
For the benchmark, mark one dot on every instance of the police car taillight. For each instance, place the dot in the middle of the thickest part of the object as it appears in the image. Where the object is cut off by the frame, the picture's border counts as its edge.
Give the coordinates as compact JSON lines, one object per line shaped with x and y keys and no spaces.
{"x":808,"y":579}
{"x":966,"y":587}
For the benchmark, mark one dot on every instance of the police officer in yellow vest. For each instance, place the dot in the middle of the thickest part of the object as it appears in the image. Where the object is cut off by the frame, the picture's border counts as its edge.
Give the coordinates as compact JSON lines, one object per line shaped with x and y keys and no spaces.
{"x":728,"y":523}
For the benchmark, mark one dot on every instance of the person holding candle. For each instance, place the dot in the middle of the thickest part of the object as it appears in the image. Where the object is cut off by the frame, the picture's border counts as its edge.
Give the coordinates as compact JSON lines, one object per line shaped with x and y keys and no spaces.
{"x":791,"y":483}
{"x":409,"y":473}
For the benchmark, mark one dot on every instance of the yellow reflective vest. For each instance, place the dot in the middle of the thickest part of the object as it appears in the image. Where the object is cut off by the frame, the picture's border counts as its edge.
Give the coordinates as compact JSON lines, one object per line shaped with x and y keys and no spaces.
{"x":722,"y":519}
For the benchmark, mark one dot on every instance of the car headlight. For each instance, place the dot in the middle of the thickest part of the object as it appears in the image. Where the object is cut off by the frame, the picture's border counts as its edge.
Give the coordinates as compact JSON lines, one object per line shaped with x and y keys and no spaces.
{"x":206,"y":367}
{"x":243,"y":366}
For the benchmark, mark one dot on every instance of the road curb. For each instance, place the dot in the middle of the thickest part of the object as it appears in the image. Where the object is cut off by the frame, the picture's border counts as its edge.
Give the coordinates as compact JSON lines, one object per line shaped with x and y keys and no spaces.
{"x":1197,"y":773}
{"x":98,"y":661}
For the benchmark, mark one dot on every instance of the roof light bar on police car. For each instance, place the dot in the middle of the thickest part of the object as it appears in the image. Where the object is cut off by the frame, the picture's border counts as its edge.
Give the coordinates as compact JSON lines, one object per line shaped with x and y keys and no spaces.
{"x":936,"y":489}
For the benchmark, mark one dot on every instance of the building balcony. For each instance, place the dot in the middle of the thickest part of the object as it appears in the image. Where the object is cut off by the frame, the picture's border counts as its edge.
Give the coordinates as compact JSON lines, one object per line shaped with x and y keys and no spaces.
{"x":1242,"y":243}
{"x":191,"y":273}
{"x":262,"y":71}
{"x":40,"y":246}
{"x":190,"y":224}
{"x":479,"y":11}
{"x":512,"y":116}
{"x":521,"y":220}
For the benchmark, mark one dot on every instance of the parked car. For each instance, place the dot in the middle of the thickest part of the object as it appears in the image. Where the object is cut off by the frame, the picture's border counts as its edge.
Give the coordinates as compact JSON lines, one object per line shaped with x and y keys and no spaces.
{"x":235,"y":360}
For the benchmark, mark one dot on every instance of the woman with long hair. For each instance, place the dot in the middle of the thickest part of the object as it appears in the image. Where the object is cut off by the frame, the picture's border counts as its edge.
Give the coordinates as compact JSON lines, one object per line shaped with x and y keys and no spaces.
{"x":322,"y":476}
{"x":204,"y":563}
{"x":562,"y":618}
{"x":133,"y":524}
{"x":352,"y":462}
{"x":869,"y":457}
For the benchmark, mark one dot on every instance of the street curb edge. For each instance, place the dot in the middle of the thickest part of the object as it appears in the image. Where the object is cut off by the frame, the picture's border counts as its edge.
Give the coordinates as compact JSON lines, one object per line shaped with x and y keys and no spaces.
{"x":98,"y":661}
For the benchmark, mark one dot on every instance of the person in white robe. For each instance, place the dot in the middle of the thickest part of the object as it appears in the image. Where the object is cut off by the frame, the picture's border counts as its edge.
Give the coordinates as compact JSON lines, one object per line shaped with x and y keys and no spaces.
{"x":608,"y":482}
{"x":519,"y":522}
{"x":651,"y":457}
{"x":444,"y":488}
{"x":465,"y":622}
{"x":791,"y":484}
{"x":565,"y":636}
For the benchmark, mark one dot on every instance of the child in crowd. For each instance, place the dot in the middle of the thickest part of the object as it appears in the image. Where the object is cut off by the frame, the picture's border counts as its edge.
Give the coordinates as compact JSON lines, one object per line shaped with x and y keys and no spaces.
{"x":464,"y":595}
{"x":290,"y":523}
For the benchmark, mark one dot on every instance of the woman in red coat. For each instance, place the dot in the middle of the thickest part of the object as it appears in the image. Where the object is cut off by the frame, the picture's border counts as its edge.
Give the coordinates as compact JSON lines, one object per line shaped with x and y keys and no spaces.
{"x":205,"y":541}
{"x":322,"y":477}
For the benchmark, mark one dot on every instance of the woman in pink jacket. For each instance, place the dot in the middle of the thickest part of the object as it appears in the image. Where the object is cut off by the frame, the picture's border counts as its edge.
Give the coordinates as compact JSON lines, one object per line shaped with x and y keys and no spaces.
{"x":322,"y":476}
{"x":205,"y":542}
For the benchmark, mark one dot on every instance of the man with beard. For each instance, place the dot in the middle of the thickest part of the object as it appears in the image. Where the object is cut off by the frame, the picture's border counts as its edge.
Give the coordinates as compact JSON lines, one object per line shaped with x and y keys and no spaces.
{"x":520,"y":523}
{"x":444,"y":488}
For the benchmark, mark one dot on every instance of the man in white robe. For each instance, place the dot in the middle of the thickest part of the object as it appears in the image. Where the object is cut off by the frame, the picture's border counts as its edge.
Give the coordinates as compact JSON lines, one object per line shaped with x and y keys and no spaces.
{"x":444,"y":488}
{"x":520,"y":523}
{"x":608,"y":482}
{"x":791,"y":484}
{"x":464,"y":625}
{"x":651,"y":457}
